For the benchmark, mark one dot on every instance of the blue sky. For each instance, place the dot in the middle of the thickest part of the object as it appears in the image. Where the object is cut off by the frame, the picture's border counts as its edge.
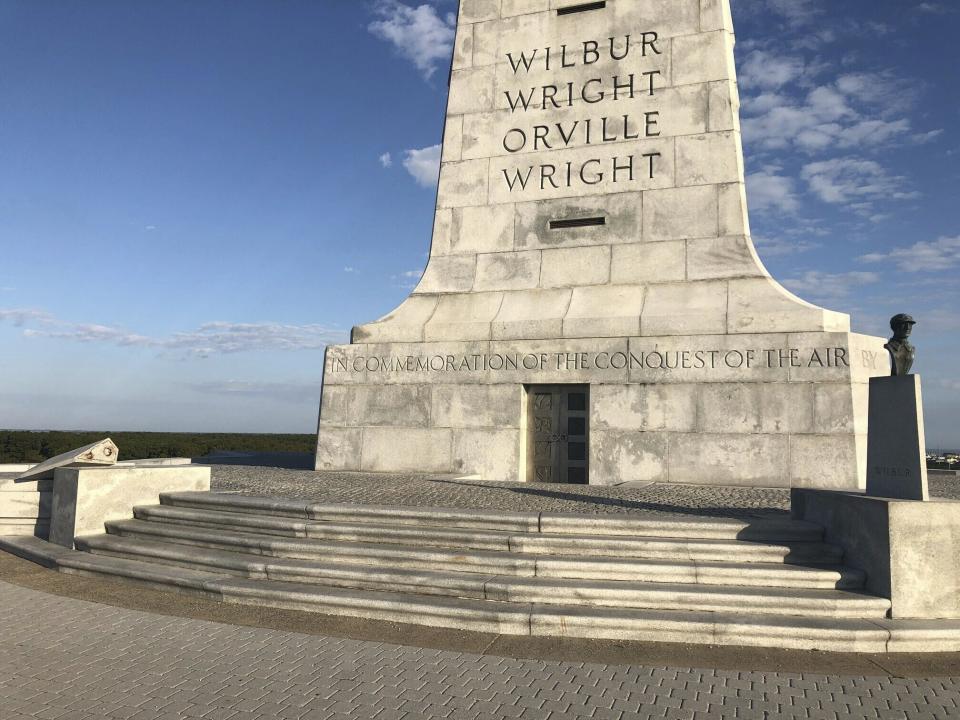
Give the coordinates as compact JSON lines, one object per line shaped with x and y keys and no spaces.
{"x":197,"y":196}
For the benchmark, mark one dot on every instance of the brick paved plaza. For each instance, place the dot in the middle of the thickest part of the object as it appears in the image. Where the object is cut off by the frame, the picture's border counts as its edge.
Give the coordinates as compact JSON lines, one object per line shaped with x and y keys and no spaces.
{"x":68,"y":659}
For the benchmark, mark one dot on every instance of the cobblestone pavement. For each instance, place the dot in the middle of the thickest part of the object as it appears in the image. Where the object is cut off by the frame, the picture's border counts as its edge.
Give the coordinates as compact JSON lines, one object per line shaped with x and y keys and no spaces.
{"x":68,"y":659}
{"x":424,"y":490}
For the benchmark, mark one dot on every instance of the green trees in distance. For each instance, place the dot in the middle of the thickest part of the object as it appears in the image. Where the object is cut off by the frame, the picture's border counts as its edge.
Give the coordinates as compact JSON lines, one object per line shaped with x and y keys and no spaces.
{"x":24,"y":446}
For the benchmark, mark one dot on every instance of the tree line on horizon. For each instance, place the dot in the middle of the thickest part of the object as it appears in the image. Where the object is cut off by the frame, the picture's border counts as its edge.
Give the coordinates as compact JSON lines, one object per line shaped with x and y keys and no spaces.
{"x":26,"y":446}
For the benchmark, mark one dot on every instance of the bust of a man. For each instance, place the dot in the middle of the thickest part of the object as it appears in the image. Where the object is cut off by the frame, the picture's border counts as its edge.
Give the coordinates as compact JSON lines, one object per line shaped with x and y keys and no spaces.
{"x":902,"y":353}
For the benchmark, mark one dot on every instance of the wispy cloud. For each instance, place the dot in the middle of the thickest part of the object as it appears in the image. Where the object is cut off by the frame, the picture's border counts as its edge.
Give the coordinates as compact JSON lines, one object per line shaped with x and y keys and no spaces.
{"x":22,"y":316}
{"x":829,"y":286}
{"x":424,"y":165}
{"x":214,"y":338}
{"x":855,"y":183}
{"x":768,"y":191}
{"x":288,"y":391}
{"x":420,"y":34}
{"x":386,"y":160}
{"x":777,"y":247}
{"x":940,"y":254}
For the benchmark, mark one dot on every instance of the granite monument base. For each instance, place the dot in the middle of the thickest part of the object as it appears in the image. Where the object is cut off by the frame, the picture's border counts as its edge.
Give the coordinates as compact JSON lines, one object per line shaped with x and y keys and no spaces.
{"x":910,"y":551}
{"x":776,"y":410}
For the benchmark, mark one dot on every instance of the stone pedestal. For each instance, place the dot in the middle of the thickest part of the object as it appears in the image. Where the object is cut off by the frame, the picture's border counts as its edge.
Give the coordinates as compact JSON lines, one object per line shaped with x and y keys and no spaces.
{"x":910,"y":551}
{"x":896,"y":448}
{"x":85,"y":498}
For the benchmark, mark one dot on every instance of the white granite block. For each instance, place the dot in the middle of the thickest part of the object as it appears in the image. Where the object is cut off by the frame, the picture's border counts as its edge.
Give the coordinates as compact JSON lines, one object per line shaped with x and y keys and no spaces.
{"x":644,"y":408}
{"x":617,"y":456}
{"x":604,"y":311}
{"x":746,"y":460}
{"x":508,"y":271}
{"x":640,"y":263}
{"x":531,"y":314}
{"x":568,"y":267}
{"x":698,"y":308}
{"x":491,"y":454}
{"x":424,"y":450}
{"x":722,"y":257}
{"x":713,"y":158}
{"x":680,"y":213}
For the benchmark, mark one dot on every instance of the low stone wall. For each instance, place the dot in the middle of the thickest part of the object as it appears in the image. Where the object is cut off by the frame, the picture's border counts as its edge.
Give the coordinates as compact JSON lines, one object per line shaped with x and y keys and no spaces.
{"x":909,"y":550}
{"x":85,"y":498}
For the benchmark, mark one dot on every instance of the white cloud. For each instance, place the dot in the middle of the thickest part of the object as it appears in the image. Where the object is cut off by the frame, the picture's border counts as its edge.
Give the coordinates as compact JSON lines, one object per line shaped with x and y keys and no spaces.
{"x":209,"y":339}
{"x":288,"y":391}
{"x":765,"y":70}
{"x":386,"y":160}
{"x":414,"y":274}
{"x":815,"y":283}
{"x":768,"y":191}
{"x":418,"y":33}
{"x":778,"y":247}
{"x":22,"y":316}
{"x":796,"y":12}
{"x":940,"y":254}
{"x":854,"y":182}
{"x":348,"y":269}
{"x":424,"y":165}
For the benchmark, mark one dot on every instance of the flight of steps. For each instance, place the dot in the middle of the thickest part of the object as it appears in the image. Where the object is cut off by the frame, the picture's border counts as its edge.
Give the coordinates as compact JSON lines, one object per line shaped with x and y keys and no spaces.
{"x":766,"y":582}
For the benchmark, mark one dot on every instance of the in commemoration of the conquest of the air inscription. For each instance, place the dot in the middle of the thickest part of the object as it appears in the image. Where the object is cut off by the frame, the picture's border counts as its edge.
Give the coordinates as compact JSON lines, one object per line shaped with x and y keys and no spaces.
{"x":579,"y":361}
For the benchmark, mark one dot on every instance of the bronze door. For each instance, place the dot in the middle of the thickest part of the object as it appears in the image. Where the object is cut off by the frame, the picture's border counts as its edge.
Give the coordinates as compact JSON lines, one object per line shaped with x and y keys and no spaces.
{"x":559,"y":432}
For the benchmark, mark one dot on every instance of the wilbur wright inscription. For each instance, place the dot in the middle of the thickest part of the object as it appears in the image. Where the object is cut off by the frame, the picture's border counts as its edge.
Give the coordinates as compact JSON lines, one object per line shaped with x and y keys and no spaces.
{"x":587,"y":129}
{"x":592,"y":244}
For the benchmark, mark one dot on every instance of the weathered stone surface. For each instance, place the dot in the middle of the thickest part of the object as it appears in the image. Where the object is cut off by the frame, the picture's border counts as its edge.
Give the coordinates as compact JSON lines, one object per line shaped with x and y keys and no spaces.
{"x":406,"y":449}
{"x":618,"y":456}
{"x":728,"y":459}
{"x":477,"y":406}
{"x":644,"y":408}
{"x":572,"y":267}
{"x":85,"y":498}
{"x":463,"y":317}
{"x":910,"y":551}
{"x":491,"y":454}
{"x":641,"y":263}
{"x":534,"y":314}
{"x":508,"y":271}
{"x":680,"y":213}
{"x":685,"y":309}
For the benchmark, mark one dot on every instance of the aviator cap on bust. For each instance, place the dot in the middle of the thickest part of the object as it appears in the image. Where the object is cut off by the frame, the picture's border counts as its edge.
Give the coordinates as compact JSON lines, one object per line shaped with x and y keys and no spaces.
{"x":902,"y":318}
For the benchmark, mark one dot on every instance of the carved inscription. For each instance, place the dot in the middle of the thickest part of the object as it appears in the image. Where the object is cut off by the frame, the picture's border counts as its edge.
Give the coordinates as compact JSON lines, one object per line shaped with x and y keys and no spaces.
{"x":594,"y":125}
{"x":662,"y":360}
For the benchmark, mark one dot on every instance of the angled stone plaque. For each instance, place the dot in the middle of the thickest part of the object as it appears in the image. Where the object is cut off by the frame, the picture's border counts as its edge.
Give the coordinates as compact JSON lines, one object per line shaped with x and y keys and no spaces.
{"x":592,"y":250}
{"x":104,"y":452}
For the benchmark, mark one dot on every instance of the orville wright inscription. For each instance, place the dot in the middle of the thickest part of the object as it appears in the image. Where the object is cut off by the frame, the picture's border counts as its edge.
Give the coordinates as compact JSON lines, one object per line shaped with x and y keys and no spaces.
{"x":592,"y":128}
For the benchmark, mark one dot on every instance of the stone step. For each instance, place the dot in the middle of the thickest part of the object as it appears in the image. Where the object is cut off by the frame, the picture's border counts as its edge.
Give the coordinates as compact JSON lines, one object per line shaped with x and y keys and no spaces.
{"x":679,"y":626}
{"x":496,"y":540}
{"x":634,"y":525}
{"x":679,"y":570}
{"x":591,"y":592}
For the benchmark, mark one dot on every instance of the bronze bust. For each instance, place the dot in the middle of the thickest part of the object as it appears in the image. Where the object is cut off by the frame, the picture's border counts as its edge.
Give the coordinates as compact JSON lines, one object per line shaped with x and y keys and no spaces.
{"x":902,"y":353}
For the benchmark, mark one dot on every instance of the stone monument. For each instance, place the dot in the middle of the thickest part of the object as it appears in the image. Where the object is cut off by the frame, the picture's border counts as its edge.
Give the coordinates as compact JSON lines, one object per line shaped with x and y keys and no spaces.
{"x":593,"y":309}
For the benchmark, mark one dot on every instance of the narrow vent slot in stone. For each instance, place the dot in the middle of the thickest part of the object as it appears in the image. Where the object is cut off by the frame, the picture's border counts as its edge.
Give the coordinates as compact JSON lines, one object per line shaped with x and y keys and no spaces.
{"x":577,"y":222}
{"x":583,"y":7}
